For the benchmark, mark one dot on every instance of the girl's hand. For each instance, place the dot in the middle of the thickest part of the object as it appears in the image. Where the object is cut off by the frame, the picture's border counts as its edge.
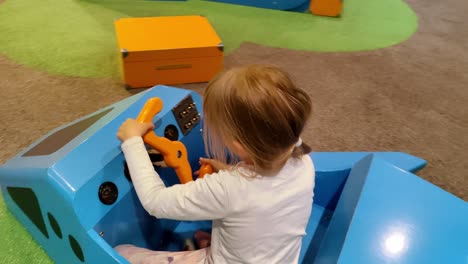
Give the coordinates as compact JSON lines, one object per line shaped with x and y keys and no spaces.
{"x":216,"y":164}
{"x":132,"y":128}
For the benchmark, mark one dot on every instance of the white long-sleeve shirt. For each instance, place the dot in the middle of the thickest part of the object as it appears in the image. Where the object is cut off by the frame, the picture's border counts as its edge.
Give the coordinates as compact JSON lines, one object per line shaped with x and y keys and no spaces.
{"x":259,"y":220}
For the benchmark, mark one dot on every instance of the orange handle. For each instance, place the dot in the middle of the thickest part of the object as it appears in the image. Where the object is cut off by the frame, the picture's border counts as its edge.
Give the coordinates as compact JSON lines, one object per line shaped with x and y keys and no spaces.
{"x":174,"y":152}
{"x":205,"y":169}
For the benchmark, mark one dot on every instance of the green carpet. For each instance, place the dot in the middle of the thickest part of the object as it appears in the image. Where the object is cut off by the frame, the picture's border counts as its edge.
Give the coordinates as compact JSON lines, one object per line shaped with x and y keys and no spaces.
{"x":76,"y":38}
{"x":16,"y":245}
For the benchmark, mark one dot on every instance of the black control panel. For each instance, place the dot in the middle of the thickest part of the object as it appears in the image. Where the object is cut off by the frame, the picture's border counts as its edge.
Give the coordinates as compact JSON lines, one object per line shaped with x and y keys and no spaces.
{"x":186,"y":114}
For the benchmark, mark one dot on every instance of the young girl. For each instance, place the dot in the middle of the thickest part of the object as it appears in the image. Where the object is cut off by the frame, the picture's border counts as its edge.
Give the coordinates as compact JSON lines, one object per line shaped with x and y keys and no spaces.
{"x":260,"y":204}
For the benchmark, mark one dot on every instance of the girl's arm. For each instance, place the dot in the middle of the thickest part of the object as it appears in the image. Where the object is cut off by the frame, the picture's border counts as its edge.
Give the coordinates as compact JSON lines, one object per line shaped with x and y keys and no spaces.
{"x":204,"y":199}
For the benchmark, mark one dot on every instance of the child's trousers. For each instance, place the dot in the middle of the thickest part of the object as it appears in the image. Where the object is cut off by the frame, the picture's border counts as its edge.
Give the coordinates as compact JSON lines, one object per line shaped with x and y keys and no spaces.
{"x":136,"y":255}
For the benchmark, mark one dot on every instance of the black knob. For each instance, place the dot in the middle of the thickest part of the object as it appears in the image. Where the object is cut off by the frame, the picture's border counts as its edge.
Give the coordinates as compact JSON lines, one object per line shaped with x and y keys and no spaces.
{"x":108,"y":193}
{"x":171,"y":132}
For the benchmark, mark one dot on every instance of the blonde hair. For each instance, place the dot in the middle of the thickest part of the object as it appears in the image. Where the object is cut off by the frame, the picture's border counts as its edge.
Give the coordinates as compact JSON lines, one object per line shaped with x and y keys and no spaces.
{"x":259,"y":107}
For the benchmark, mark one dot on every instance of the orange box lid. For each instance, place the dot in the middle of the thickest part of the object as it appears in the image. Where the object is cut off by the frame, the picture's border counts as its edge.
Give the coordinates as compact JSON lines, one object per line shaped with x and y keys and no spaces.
{"x":168,"y":37}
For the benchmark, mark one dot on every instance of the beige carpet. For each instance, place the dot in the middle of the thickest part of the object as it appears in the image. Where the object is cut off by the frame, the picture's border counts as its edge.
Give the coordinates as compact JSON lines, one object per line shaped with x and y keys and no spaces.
{"x":412,"y":97}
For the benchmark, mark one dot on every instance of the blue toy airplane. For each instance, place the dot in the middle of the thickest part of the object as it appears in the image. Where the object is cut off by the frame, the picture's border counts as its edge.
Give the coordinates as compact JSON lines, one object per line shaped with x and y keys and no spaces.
{"x":72,"y":192}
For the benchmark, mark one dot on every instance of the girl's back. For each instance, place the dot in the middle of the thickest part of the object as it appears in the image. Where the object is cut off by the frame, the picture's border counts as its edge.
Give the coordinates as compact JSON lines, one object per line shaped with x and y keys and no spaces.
{"x":266,"y":216}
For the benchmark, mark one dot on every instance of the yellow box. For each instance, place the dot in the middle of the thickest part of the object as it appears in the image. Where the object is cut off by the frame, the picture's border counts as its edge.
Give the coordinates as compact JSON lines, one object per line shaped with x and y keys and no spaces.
{"x":168,"y":50}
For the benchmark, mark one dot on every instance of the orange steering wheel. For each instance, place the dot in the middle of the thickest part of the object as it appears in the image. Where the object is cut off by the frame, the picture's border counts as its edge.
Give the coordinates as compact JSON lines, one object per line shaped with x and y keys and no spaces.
{"x":173,"y":152}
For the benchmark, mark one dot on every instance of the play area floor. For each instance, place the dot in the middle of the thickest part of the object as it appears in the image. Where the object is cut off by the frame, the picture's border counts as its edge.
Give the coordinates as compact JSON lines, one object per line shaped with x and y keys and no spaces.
{"x":76,"y":38}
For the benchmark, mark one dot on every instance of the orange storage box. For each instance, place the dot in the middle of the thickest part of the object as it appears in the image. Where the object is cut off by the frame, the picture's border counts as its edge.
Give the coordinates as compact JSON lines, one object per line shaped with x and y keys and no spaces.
{"x":168,"y":50}
{"x":330,"y":8}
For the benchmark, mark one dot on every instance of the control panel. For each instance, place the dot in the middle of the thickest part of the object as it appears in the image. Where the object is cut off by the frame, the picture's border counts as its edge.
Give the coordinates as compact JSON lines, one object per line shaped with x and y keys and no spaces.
{"x":186,"y":114}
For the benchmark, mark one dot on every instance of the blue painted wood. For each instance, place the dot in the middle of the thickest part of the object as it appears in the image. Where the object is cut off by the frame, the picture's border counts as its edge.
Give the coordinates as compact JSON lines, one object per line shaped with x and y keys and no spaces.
{"x":388,"y":215}
{"x":333,"y":168}
{"x":287,"y":5}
